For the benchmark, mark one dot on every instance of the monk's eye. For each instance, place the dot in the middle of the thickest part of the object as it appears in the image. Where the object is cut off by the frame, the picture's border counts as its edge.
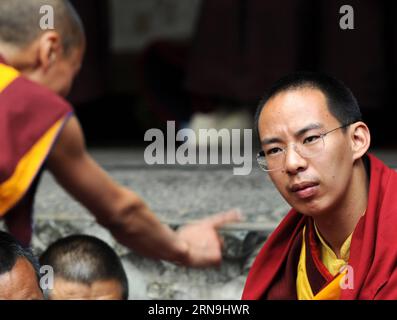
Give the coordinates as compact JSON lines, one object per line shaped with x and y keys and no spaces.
{"x":273,"y":151}
{"x":311,"y":139}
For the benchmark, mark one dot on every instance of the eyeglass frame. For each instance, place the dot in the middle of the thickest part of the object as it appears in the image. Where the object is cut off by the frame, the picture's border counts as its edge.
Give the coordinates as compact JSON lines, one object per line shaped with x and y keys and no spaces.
{"x":322,"y":135}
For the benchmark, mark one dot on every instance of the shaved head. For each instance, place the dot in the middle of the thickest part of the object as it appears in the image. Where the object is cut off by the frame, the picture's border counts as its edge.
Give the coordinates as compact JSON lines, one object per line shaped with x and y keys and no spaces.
{"x":85,"y":259}
{"x":20,"y":23}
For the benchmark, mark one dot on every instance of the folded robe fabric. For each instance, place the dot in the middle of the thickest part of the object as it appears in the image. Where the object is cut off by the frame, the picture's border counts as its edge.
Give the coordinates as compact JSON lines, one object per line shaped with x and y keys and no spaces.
{"x":373,"y":250}
{"x":31,"y":118}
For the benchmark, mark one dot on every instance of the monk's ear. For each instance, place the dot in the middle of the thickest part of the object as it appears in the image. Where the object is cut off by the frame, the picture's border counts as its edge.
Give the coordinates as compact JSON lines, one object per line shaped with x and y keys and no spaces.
{"x":360,"y":139}
{"x":50,"y":49}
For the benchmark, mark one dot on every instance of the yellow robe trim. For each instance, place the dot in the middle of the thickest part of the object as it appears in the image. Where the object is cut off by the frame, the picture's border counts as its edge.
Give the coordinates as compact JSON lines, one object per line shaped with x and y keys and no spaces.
{"x":8,"y":75}
{"x":332,"y":291}
{"x":303,"y":288}
{"x":328,"y":256}
{"x":331,"y":262}
{"x":13,"y":189}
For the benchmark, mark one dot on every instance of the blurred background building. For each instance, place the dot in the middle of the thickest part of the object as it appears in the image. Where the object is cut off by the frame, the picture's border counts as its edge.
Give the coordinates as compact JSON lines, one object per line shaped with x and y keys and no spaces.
{"x":207,"y":63}
{"x":156,"y":60}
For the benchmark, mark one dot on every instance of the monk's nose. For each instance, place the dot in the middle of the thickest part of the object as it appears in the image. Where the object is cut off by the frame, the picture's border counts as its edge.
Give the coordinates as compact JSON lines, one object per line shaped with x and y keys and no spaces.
{"x":294,"y":162}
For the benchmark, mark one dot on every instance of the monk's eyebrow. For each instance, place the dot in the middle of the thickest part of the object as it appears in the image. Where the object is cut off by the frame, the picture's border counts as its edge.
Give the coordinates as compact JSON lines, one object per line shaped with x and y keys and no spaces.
{"x":298,"y":133}
{"x":271,"y":140}
{"x":309,"y":127}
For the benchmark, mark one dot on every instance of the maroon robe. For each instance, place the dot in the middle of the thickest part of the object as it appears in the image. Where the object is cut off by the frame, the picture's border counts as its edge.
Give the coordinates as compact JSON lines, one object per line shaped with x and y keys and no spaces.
{"x":31,"y":118}
{"x":373,"y":250}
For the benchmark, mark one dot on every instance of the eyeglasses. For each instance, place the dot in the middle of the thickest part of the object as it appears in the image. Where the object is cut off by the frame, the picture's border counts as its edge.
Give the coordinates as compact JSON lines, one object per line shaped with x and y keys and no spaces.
{"x":309,"y":147}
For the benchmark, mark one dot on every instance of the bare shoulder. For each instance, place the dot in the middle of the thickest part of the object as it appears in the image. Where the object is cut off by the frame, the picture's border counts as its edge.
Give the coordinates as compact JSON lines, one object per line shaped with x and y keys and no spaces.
{"x":70,"y":142}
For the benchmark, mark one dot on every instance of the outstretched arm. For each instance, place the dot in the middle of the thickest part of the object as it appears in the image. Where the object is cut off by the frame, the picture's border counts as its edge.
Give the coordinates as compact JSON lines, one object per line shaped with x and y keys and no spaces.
{"x":125,"y":214}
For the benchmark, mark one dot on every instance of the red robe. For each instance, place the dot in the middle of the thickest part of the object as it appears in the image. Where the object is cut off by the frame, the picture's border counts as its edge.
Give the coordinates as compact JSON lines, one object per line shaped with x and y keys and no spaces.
{"x":31,"y":118}
{"x":373,"y":250}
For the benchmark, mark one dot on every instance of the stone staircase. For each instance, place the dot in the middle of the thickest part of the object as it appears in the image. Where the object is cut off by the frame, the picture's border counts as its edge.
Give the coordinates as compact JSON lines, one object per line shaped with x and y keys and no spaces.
{"x":177,"y":194}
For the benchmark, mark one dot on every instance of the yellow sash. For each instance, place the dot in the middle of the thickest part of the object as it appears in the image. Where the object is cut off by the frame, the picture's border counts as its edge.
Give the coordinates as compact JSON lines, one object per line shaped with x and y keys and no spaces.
{"x":332,"y":291}
{"x":14,"y":188}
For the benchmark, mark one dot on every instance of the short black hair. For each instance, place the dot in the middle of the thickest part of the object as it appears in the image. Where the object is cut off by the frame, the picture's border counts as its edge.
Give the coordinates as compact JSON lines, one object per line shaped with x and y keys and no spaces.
{"x":85,"y":259}
{"x":11,"y":250}
{"x":20,"y":22}
{"x":340,"y":100}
